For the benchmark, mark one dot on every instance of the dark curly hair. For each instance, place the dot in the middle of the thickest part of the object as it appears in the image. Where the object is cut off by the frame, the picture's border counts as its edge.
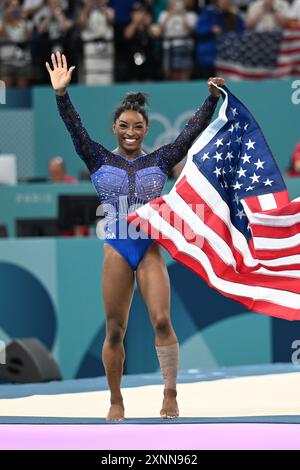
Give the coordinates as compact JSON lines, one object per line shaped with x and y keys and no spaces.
{"x":136,"y":102}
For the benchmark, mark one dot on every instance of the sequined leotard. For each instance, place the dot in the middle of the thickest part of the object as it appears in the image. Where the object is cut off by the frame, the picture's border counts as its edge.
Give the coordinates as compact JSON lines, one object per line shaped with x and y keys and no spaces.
{"x":122,"y":183}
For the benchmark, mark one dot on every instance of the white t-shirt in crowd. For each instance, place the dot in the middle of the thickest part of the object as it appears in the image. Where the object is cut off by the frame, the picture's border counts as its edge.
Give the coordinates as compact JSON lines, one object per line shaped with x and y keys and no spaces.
{"x":174,"y":27}
{"x":29,"y":4}
{"x":97,"y":26}
{"x":295,"y":10}
{"x":267,"y":20}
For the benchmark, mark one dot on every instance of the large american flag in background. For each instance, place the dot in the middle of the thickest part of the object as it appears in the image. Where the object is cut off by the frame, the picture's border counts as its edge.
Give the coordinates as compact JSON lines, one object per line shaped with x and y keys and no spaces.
{"x":259,"y":55}
{"x":246,"y":240}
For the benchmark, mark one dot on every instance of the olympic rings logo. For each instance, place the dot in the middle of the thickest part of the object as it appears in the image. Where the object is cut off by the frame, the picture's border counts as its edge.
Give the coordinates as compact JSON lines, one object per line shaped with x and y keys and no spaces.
{"x":170,"y":131}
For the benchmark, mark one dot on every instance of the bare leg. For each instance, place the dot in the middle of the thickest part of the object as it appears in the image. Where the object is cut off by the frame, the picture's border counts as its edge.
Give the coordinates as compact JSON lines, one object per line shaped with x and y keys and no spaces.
{"x":154,"y":285}
{"x":117,"y":284}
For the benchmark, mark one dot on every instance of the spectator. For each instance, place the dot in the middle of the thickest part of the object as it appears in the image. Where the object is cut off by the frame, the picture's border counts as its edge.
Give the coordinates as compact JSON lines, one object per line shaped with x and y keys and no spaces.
{"x":53,"y":21}
{"x":294,"y":12}
{"x":176,"y":27}
{"x":52,"y":31}
{"x":157,"y":6}
{"x":31,"y":7}
{"x":213,"y":22}
{"x":294,"y":169}
{"x":57,"y":171}
{"x":140,"y":45}
{"x":96,"y":24}
{"x":15,"y":57}
{"x":1,"y":8}
{"x":267,"y":15}
{"x":122,"y":9}
{"x":242,"y":5}
{"x":192,"y":5}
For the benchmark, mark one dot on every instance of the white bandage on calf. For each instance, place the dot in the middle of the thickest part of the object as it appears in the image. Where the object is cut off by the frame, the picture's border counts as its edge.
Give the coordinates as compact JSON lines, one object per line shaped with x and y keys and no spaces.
{"x":168,"y":360}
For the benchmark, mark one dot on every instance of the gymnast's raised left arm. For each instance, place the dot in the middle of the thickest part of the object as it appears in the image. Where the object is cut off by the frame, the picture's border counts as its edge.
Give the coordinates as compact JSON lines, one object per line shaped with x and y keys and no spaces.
{"x":173,"y":153}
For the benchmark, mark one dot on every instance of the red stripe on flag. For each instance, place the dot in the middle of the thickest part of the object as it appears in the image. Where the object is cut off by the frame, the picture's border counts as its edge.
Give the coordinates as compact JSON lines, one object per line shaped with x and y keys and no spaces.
{"x":275,"y":232}
{"x":242,"y":74}
{"x":281,"y":198}
{"x":266,"y":307}
{"x":293,"y":63}
{"x":272,"y":253}
{"x":189,"y":195}
{"x":286,"y":52}
{"x":223,"y":270}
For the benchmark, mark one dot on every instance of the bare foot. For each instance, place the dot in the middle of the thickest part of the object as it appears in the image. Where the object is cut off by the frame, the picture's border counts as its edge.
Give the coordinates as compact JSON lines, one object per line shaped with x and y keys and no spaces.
{"x":116,"y":412}
{"x":169,"y":407}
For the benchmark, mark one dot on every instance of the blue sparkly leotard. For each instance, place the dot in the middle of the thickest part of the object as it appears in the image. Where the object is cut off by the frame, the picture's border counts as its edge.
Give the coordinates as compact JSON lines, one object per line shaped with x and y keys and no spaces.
{"x":122,"y":183}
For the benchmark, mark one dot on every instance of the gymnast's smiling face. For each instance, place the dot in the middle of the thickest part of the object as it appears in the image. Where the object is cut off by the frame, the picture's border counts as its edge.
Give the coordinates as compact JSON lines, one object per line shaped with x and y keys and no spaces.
{"x":130,"y":129}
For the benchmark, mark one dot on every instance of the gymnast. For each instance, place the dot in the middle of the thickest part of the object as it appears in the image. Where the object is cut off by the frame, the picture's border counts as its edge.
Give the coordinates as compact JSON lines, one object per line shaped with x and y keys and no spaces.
{"x":129,"y":173}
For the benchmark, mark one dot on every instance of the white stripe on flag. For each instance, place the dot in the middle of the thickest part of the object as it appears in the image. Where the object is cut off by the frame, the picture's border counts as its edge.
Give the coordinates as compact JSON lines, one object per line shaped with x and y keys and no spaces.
{"x":267,"y":202}
{"x":283,"y":298}
{"x":198,"y":226}
{"x":263,"y":243}
{"x":271,"y":220}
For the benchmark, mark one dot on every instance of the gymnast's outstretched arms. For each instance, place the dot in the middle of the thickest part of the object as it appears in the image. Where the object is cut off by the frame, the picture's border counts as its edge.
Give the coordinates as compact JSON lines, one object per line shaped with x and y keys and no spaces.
{"x":94,"y":154}
{"x":60,"y":75}
{"x":173,"y":153}
{"x":90,"y":152}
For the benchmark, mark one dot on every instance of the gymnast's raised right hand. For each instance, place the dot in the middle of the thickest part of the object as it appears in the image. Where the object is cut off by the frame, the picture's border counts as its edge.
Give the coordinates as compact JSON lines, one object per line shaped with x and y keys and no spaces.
{"x":60,"y":75}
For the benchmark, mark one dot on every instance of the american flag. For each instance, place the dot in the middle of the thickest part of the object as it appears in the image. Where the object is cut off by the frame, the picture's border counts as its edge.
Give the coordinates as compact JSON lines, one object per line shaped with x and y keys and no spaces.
{"x":245,"y":242}
{"x":259,"y":55}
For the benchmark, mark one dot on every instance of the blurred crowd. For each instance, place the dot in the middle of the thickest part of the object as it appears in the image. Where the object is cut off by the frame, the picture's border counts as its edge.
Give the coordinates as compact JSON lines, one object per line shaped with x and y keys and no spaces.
{"x":125,"y":40}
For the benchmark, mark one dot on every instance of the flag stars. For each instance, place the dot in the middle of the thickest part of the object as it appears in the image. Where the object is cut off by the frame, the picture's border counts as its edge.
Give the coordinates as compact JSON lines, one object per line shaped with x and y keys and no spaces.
{"x":268,"y":182}
{"x":219,"y":143}
{"x":246,"y":126}
{"x":239,"y":139}
{"x":231,"y":128}
{"x":218,"y":156}
{"x":237,"y":185}
{"x":217,"y":172}
{"x":237,"y":126}
{"x":242,"y":172}
{"x":236,"y":198}
{"x":232,"y":169}
{"x":205,"y":156}
{"x":254,"y":178}
{"x":250,"y":144}
{"x":234,"y":111}
{"x":228,"y":143}
{"x":246,"y":158}
{"x":240,"y":214}
{"x":229,"y":156}
{"x":259,"y":164}
{"x":250,"y":188}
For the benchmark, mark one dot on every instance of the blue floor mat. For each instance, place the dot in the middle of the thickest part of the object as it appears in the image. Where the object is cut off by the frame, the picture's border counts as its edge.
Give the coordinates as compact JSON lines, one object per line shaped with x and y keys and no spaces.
{"x":68,"y":421}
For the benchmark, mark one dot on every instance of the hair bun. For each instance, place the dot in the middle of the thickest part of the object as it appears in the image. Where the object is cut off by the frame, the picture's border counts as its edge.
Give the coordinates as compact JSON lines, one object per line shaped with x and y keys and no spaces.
{"x":135,"y":98}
